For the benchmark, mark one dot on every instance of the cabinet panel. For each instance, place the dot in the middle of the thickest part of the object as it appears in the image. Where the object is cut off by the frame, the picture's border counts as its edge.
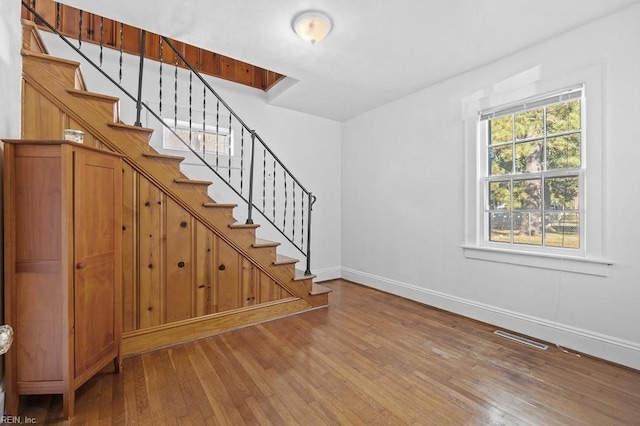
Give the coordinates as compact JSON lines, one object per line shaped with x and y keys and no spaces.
{"x":249,"y":275}
{"x":179,"y":293}
{"x":39,"y":329}
{"x":95,"y":304}
{"x":269,"y":290}
{"x":129,"y":255}
{"x":97,"y":211}
{"x":227,"y":278}
{"x":204,"y":255}
{"x":150,"y":261}
{"x":38,"y":208}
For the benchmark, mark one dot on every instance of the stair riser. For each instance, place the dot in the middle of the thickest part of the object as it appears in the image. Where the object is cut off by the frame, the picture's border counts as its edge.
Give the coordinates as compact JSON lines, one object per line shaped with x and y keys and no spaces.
{"x":104,"y":107}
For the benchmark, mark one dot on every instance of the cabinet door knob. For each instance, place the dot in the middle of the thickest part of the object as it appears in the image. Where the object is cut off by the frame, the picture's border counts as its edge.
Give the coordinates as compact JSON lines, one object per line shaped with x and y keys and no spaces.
{"x":81,"y":265}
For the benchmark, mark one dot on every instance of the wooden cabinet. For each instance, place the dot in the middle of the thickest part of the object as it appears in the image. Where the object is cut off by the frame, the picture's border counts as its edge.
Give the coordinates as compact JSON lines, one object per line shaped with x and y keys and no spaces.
{"x":63,"y":266}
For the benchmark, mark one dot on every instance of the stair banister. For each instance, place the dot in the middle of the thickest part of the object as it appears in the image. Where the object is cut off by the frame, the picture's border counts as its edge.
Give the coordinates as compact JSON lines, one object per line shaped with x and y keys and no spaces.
{"x":302,"y":245}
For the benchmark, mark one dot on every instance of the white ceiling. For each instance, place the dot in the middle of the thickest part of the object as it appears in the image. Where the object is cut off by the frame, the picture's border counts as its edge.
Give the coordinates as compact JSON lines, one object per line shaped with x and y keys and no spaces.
{"x":378,"y":51}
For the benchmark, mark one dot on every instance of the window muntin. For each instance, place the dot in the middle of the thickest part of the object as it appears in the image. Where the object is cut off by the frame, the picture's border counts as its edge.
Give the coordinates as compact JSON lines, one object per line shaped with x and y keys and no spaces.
{"x":533,"y":181}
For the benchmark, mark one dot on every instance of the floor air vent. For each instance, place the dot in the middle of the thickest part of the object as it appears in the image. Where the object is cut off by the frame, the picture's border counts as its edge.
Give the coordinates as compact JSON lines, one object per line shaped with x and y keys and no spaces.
{"x":522,"y":340}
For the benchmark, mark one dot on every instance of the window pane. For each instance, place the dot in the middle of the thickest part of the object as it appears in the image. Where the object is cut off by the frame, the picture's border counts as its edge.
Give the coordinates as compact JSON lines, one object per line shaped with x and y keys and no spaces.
{"x":215,"y":143}
{"x":561,"y":193}
{"x":499,"y":196}
{"x":563,"y":152}
{"x":500,"y":227}
{"x":501,"y":160}
{"x":501,"y":129}
{"x":529,"y":156}
{"x":563,"y":117}
{"x":562,"y":229}
{"x":527,"y":194}
{"x":527,"y":228}
{"x":529,"y":124}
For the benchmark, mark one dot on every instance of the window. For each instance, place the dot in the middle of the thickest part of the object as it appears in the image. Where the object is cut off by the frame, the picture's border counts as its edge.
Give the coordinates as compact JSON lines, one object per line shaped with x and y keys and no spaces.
{"x":535,"y":170}
{"x":533,"y":175}
{"x":210,"y":140}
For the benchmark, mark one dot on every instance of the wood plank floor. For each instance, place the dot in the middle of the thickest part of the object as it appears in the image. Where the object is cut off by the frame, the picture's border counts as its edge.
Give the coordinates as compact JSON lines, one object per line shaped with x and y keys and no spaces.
{"x":370,"y":358}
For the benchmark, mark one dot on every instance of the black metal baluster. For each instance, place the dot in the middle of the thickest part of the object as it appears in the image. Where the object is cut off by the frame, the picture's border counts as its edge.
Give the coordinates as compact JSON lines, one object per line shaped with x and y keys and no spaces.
{"x":80,"y":31}
{"x":228,"y":139}
{"x":302,"y":220}
{"x":273,"y":209}
{"x":190,"y":101}
{"x":121,"y":51}
{"x":101,"y":39}
{"x":143,"y":41}
{"x":286,"y":201}
{"x":57,"y":15}
{"x":204,"y":121}
{"x":241,"y":159}
{"x":264,"y":180}
{"x":175,"y":92}
{"x":160,"y":48}
{"x":293,"y":219}
{"x":217,"y":132}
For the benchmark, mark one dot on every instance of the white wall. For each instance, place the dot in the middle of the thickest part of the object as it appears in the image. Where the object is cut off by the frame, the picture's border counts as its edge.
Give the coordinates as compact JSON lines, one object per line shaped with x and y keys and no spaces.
{"x":309,"y":146}
{"x":10,"y":83}
{"x":10,"y":69}
{"x":403,"y":202}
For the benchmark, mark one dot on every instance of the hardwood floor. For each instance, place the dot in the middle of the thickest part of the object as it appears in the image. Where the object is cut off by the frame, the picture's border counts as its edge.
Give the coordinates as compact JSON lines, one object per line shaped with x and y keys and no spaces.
{"x":370,"y":358}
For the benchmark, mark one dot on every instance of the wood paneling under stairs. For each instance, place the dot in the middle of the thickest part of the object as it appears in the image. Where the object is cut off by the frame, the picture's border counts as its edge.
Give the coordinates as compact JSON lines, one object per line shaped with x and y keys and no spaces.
{"x":371,"y":358}
{"x":183,"y":259}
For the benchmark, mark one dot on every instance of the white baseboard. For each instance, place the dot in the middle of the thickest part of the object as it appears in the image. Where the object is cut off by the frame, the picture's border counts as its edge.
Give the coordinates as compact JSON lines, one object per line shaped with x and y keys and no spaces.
{"x":609,"y":348}
{"x":327,"y":274}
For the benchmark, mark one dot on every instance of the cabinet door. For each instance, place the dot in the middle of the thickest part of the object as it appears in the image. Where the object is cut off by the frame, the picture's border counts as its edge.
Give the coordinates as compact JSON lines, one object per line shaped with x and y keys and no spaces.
{"x":97,"y":259}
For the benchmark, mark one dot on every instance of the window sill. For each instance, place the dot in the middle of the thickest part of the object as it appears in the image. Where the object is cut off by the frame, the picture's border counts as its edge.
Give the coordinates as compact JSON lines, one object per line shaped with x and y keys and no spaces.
{"x":579,"y":265}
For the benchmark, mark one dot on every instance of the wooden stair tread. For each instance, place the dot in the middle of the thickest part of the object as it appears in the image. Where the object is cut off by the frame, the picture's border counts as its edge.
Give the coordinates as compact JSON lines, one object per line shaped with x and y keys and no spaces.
{"x":124,"y":126}
{"x":220,"y":205}
{"x":162,"y":156}
{"x":281,"y":259}
{"x":265,"y":243}
{"x":319,"y":289}
{"x":93,"y":95}
{"x":300,"y":276}
{"x":50,"y":58}
{"x":244,"y":225}
{"x":192,"y":181}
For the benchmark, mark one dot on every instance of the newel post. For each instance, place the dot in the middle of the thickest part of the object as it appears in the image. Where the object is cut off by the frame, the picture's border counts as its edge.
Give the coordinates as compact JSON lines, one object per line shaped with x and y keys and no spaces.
{"x":251,"y":167}
{"x":312,"y":200}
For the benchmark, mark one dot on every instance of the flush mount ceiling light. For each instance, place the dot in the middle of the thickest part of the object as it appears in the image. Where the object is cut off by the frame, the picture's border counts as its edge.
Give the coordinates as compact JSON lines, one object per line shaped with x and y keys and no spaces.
{"x":312,"y":26}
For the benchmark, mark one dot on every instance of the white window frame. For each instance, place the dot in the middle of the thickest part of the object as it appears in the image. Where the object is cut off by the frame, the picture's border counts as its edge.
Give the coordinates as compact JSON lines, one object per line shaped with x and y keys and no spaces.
{"x":571,"y":93}
{"x":196,"y":130}
{"x":591,"y":257}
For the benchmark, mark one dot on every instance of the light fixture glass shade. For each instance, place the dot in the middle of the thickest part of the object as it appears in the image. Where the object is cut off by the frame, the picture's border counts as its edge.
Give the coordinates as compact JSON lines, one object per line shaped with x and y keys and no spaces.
{"x":312,"y":27}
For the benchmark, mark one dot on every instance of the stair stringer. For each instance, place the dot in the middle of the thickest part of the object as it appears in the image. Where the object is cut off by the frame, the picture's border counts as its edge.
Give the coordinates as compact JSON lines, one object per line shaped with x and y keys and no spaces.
{"x":131,"y":141}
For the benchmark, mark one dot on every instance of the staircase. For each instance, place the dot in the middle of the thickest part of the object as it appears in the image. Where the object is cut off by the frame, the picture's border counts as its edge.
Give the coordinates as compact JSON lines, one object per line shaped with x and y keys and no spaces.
{"x":190,"y":268}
